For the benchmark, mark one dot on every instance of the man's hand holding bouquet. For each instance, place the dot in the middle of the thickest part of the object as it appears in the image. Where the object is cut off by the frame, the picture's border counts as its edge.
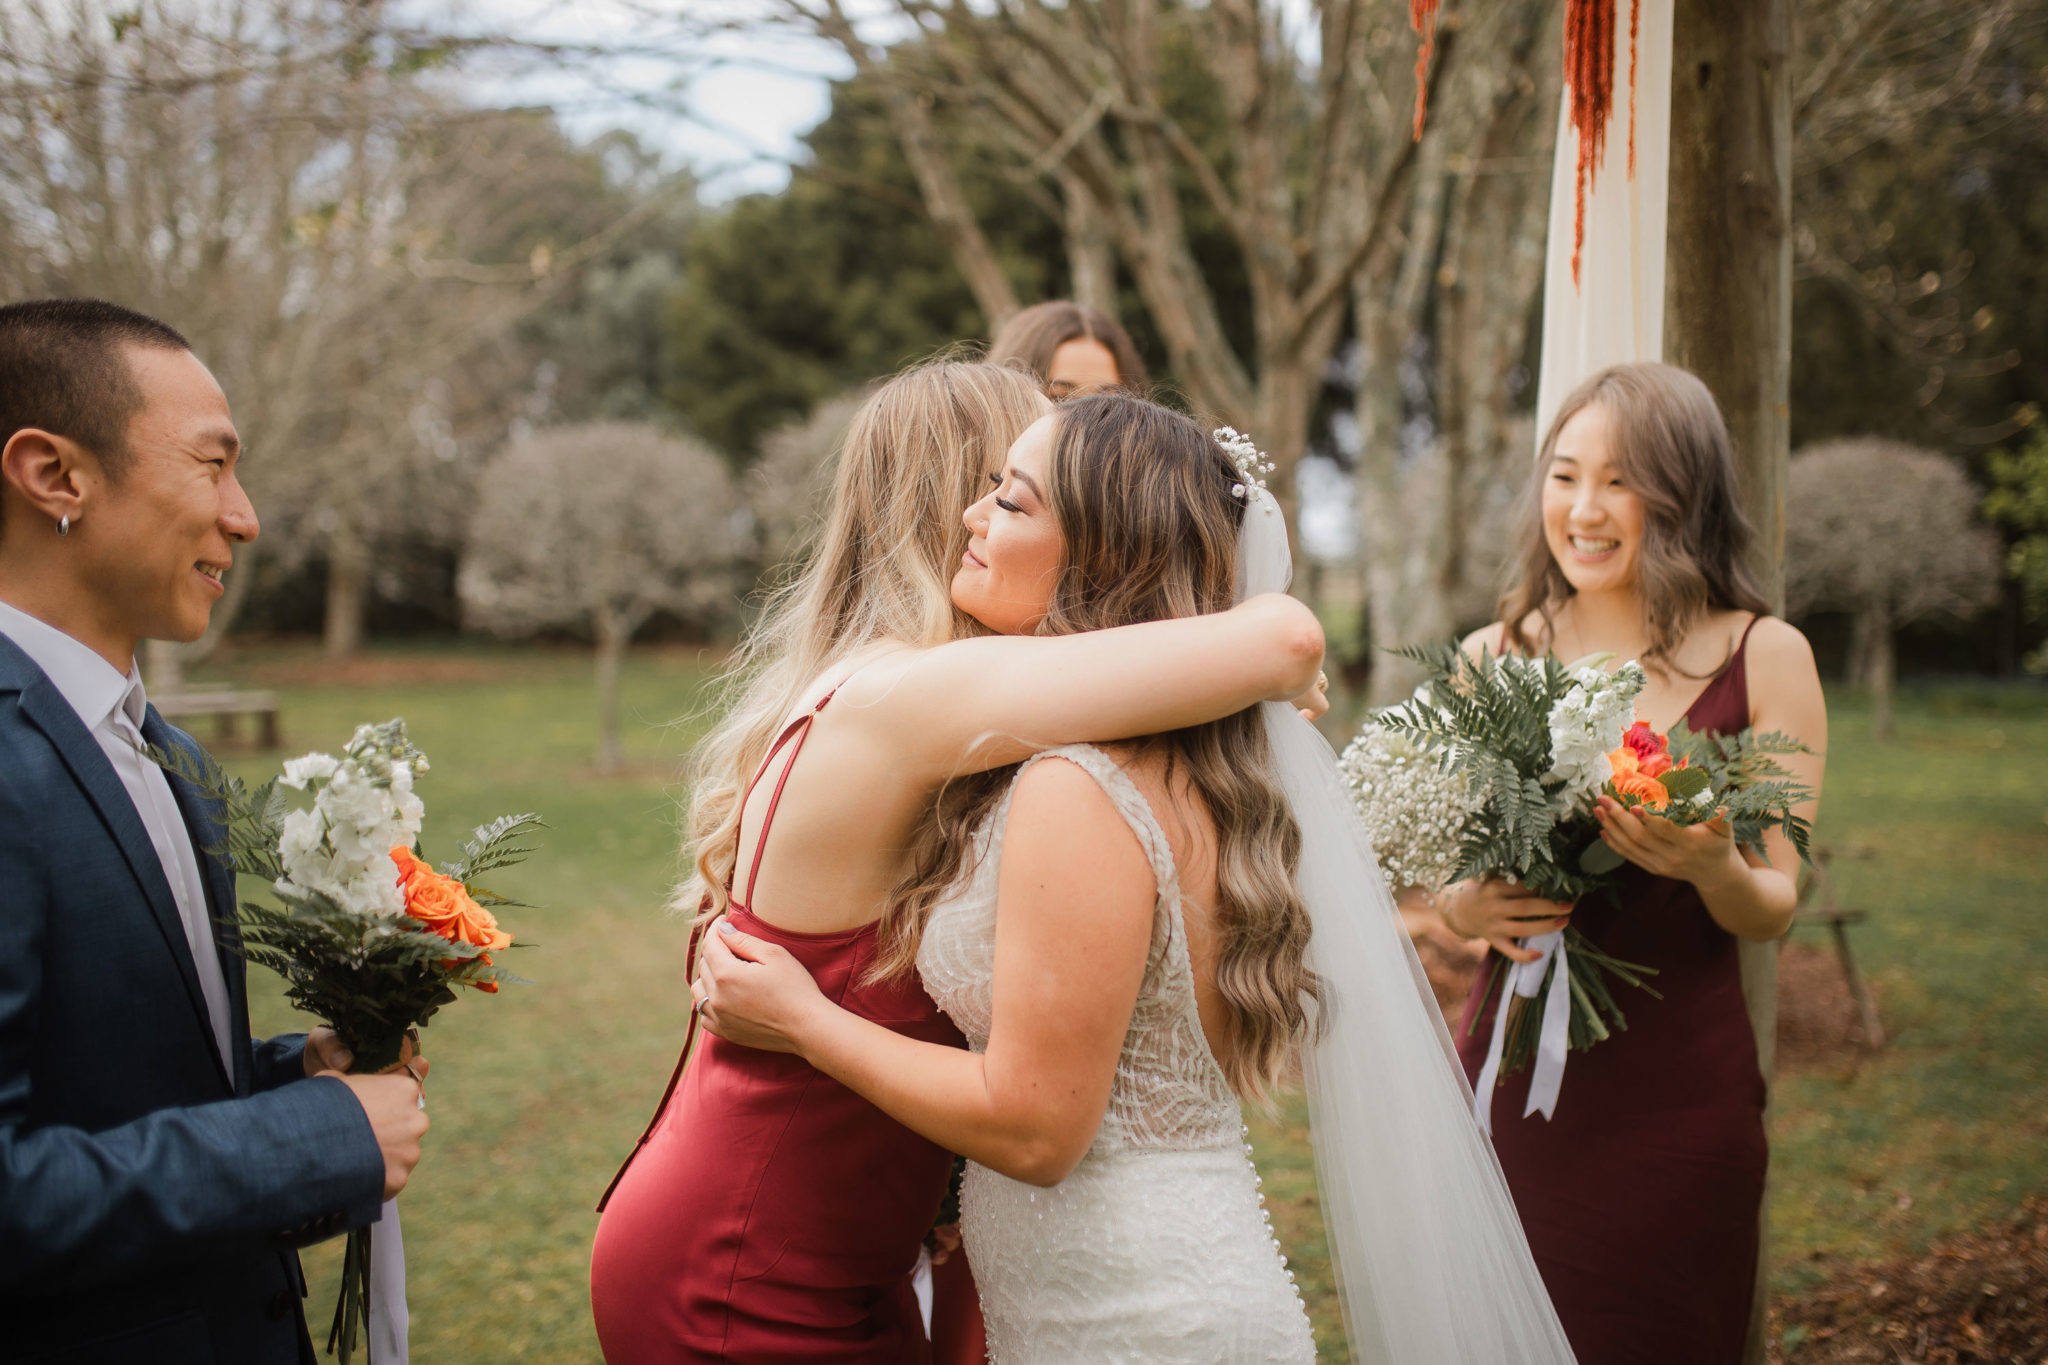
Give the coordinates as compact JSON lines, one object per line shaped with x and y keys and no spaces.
{"x":366,"y":936}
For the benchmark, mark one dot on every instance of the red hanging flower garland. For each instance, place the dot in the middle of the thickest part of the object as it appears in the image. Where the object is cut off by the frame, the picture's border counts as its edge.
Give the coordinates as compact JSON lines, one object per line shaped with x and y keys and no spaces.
{"x":1422,"y":18}
{"x":1589,"y":72}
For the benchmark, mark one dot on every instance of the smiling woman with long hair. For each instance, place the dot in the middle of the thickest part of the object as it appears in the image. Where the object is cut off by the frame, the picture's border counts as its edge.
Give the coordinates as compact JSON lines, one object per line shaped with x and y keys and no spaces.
{"x":1642,"y":1193}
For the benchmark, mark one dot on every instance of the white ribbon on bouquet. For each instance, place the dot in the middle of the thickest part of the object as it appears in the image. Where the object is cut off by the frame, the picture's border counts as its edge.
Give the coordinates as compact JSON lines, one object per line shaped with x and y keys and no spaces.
{"x":1525,"y":979}
{"x":388,"y":1317}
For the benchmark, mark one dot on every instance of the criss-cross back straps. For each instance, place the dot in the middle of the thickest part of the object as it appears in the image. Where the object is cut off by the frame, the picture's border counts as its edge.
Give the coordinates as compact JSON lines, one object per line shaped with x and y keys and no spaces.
{"x":798,"y":730}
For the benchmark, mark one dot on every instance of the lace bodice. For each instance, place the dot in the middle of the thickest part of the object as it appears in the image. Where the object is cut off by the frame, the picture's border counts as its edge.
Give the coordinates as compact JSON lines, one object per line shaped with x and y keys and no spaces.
{"x":1157,"y":1249}
{"x":1169,"y":1091}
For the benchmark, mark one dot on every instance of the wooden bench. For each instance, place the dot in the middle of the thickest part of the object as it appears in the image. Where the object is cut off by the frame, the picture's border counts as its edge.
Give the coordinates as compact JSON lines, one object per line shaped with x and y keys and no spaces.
{"x":227,"y":707}
{"x":1817,"y":886}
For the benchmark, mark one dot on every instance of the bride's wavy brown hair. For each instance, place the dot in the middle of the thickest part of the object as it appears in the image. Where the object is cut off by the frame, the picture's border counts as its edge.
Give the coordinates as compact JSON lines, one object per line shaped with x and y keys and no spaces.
{"x":1675,"y":455}
{"x":1142,"y":496}
{"x":919,"y":450}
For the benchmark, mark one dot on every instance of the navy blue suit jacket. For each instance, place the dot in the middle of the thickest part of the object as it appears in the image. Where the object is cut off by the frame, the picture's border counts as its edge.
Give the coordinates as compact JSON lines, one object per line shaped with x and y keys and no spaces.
{"x":150,"y":1197}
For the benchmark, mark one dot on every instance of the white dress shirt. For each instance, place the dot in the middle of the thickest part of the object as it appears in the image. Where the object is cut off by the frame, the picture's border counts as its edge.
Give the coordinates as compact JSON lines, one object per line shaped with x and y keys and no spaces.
{"x":112,"y":707}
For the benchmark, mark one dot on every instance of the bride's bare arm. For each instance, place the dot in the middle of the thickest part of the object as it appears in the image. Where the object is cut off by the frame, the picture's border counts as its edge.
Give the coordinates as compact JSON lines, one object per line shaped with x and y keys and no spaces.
{"x":977,"y":704}
{"x":1077,"y":899}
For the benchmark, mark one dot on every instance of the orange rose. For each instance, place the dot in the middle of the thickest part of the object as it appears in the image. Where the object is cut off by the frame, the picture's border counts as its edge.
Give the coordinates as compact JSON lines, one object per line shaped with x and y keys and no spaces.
{"x":1648,"y":791}
{"x":1624,"y":760}
{"x":445,"y":907}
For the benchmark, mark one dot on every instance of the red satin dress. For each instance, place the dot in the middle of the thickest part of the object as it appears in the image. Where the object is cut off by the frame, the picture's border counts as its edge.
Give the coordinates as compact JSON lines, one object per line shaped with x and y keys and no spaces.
{"x":770,"y":1214}
{"x":1641,"y":1194}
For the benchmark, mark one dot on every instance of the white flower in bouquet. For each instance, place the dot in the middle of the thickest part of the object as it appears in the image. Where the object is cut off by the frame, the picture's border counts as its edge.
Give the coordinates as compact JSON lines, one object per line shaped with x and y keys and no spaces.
{"x":1413,"y":809}
{"x":1586,"y":724}
{"x":363,"y":807}
{"x":308,"y":768}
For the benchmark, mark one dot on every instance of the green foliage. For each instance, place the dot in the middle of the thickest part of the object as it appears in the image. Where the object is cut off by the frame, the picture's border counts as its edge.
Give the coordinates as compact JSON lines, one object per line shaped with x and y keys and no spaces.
{"x":1958,"y":192}
{"x":1493,"y":724}
{"x":790,"y":298}
{"x":493,"y":846}
{"x":2018,"y":501}
{"x":371,"y":995}
{"x":247,"y":813}
{"x":1757,"y":793}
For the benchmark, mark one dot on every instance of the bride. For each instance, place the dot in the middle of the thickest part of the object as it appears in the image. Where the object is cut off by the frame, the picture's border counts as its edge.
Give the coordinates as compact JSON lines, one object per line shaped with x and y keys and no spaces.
{"x":1123,"y":934}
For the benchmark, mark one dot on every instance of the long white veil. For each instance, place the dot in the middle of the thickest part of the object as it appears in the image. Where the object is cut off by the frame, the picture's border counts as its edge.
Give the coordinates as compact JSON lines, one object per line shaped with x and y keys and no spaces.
{"x":1427,"y":1249}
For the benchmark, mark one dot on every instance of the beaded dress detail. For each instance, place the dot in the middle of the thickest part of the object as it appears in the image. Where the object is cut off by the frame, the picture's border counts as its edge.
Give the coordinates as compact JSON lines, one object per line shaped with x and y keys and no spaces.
{"x":1157,"y":1248}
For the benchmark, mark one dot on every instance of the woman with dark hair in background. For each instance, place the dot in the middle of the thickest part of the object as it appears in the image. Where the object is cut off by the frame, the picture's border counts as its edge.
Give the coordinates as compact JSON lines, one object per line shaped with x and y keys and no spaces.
{"x":1070,"y":348}
{"x":1641,"y":1194}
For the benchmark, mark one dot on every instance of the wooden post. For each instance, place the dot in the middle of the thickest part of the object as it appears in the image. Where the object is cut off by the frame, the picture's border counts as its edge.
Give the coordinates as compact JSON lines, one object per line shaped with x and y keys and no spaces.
{"x":1728,"y":311}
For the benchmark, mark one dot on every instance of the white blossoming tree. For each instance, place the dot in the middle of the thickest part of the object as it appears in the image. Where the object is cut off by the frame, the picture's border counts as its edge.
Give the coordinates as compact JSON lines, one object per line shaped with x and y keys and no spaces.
{"x":1887,"y":532}
{"x":597,"y":528}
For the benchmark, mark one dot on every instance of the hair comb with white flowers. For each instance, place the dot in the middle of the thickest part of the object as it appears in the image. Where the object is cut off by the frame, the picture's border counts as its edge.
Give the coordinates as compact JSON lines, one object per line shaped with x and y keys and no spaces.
{"x":1252,"y":464}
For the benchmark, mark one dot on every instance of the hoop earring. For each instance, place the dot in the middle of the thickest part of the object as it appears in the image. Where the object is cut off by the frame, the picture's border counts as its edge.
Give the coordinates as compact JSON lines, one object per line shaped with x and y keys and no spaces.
{"x":64,"y":525}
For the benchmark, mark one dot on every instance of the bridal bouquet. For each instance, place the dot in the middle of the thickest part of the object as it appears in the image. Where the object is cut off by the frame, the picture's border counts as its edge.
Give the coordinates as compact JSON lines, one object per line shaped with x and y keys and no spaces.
{"x":364,"y":932}
{"x":1493,"y":768}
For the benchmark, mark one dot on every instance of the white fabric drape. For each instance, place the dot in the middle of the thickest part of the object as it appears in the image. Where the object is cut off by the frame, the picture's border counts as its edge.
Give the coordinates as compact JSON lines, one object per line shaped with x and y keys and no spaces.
{"x":1615,"y":314}
{"x":1428,"y":1253}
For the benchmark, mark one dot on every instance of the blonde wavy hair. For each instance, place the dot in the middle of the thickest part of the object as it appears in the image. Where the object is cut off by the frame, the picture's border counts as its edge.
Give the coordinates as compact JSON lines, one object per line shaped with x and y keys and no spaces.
{"x":1143,"y":500}
{"x":919,"y":450}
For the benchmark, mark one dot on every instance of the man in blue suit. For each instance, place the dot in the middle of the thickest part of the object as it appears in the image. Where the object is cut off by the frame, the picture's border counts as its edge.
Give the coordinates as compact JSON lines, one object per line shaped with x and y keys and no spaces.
{"x":158,"y":1167}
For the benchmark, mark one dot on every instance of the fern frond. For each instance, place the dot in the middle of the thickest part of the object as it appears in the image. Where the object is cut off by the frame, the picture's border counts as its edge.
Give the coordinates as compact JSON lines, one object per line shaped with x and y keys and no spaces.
{"x":495,"y":845}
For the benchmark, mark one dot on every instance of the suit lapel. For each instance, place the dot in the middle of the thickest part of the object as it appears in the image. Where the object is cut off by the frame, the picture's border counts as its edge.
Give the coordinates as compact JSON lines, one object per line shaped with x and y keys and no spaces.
{"x":205,"y":828}
{"x":46,"y":708}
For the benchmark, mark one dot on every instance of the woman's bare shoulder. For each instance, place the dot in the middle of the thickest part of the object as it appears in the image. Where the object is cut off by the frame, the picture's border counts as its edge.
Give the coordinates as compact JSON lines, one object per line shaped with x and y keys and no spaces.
{"x":1490,"y":638}
{"x":1066,"y":808}
{"x":1779,"y":649}
{"x":867,"y":677}
{"x":1493,"y":637}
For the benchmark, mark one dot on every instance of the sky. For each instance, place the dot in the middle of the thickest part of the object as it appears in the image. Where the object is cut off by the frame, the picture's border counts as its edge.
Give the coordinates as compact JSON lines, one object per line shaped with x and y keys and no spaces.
{"x":730,"y":107}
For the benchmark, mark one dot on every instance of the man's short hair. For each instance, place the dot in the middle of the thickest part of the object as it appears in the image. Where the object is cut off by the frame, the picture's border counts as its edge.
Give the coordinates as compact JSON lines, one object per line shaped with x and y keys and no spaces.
{"x":62,"y":371}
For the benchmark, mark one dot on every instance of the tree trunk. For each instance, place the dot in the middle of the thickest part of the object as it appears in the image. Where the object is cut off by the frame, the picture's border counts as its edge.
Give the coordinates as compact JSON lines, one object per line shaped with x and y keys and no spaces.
{"x":1856,"y":669}
{"x":947,"y":204}
{"x":613,"y":632}
{"x":1728,"y":318}
{"x":1728,"y":273}
{"x":1883,"y":670}
{"x":1091,"y":255}
{"x":348,"y":591}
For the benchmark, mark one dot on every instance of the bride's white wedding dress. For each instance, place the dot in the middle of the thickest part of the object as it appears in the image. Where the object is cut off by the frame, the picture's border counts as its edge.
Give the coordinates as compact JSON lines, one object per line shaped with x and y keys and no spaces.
{"x":1156,"y":1248}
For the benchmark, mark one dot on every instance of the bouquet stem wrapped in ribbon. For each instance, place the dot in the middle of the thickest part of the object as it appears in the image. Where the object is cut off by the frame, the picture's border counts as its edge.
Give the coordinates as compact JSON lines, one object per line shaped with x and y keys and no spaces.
{"x":366,"y":936}
{"x":1493,"y":768}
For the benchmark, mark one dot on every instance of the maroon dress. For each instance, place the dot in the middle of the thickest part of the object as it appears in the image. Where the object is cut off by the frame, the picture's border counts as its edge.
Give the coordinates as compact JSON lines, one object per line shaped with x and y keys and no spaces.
{"x":1641,"y":1194}
{"x":770,"y":1214}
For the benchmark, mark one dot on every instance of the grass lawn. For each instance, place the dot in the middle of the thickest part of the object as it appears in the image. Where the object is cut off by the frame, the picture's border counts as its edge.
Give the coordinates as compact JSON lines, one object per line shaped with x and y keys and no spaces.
{"x":538,"y":1093}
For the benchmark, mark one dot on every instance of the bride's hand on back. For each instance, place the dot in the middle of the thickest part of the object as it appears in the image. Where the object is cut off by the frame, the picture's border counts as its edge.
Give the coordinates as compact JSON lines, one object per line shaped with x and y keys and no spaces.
{"x":1500,"y":912}
{"x":752,"y":992}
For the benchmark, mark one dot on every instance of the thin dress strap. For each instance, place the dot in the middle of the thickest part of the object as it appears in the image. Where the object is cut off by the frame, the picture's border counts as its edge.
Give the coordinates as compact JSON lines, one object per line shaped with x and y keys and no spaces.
{"x":799,"y":730}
